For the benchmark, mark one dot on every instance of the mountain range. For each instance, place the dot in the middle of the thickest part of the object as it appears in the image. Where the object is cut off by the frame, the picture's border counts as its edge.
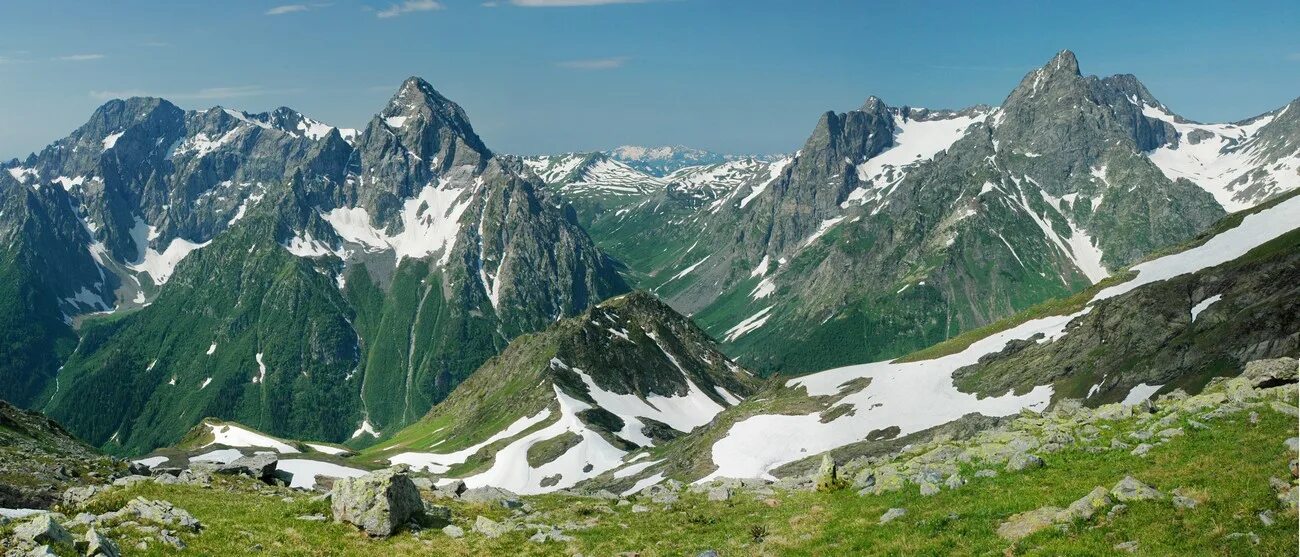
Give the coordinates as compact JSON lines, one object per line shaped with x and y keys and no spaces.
{"x":896,"y":227}
{"x":404,"y":290}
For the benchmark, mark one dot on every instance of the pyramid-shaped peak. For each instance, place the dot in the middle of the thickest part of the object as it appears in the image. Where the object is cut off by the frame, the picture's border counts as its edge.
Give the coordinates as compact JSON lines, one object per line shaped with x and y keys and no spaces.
{"x":873,"y":104}
{"x":1063,"y":62}
{"x":416,"y":90}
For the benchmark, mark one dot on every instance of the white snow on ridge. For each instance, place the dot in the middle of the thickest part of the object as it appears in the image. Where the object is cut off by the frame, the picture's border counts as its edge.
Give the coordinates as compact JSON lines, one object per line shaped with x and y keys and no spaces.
{"x":1203,"y":304}
{"x":1254,"y":230}
{"x":151,"y":461}
{"x":440,"y":462}
{"x":1226,"y":163}
{"x":774,"y":172}
{"x":327,"y":449}
{"x":430,"y":222}
{"x":913,"y":396}
{"x":822,"y":228}
{"x":234,"y":436}
{"x":1139,"y":393}
{"x":510,"y":469}
{"x":748,"y":324}
{"x":111,"y":140}
{"x":159,"y":265}
{"x":915,"y":141}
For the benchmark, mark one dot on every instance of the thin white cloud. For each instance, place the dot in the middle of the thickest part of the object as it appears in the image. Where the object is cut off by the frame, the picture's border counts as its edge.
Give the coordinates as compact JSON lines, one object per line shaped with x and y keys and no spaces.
{"x":207,"y":93}
{"x":594,"y":64}
{"x":80,"y":57}
{"x":409,"y":6}
{"x":571,"y":3}
{"x":287,"y":9}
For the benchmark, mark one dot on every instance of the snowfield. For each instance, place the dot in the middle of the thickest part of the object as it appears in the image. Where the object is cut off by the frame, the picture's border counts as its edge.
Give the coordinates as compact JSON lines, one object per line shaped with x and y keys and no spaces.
{"x":592,"y":455}
{"x":1229,"y":163}
{"x":232,"y":435}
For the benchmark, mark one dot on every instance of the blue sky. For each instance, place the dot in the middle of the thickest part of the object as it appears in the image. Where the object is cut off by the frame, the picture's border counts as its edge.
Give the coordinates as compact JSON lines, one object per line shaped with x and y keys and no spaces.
{"x":734,"y":76}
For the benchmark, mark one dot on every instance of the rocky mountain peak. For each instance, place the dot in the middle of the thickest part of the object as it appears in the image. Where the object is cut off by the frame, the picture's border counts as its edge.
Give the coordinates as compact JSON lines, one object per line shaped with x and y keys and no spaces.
{"x":874,"y":105}
{"x":1064,"y":62}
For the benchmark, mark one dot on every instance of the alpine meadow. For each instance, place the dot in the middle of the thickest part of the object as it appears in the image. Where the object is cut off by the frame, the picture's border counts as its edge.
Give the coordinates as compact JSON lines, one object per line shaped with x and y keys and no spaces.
{"x":673,"y":296}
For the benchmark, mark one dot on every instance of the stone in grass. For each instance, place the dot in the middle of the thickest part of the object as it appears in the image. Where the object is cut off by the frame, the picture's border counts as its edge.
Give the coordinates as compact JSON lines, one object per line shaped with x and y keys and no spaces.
{"x":1141,"y":450}
{"x":1131,"y":489}
{"x":928,"y":489}
{"x":42,"y":530}
{"x":1024,"y":461}
{"x":453,"y":531}
{"x":95,"y":543}
{"x":490,"y":528}
{"x":986,"y":473}
{"x":378,"y":503}
{"x":550,"y":534}
{"x":1087,"y":506}
{"x":1028,"y":522}
{"x":42,"y":551}
{"x":891,"y":514}
{"x":828,"y":478}
{"x":1127,"y":547}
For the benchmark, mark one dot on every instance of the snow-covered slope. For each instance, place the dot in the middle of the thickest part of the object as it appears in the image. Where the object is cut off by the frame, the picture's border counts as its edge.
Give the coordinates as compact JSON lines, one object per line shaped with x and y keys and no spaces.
{"x":913,"y":396}
{"x":577,"y":401}
{"x":1240,"y":164}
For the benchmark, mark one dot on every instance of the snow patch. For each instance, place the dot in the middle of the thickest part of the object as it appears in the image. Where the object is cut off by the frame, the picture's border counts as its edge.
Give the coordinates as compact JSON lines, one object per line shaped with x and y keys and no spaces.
{"x":1198,"y":308}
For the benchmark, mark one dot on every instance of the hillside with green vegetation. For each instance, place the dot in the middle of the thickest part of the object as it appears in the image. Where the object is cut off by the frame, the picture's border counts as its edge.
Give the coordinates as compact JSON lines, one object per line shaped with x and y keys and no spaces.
{"x":1206,"y":474}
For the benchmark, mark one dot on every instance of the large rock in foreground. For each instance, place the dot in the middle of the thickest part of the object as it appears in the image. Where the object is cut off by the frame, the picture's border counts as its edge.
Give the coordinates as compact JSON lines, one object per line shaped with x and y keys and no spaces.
{"x":379,"y":502}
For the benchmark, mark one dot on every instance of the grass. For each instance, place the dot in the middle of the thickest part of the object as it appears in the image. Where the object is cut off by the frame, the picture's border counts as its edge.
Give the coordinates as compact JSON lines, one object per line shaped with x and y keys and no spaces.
{"x":1226,"y":466}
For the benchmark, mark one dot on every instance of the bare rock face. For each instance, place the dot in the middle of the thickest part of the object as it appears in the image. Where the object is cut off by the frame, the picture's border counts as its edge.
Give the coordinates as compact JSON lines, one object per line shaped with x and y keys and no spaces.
{"x":1272,"y":373}
{"x":378,"y":503}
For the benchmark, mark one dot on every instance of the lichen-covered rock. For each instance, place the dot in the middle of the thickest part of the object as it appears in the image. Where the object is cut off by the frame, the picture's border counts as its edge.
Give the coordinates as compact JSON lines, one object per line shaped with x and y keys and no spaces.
{"x":1028,"y":522}
{"x":828,"y":478}
{"x":892,"y":514}
{"x":95,"y":543}
{"x":42,"y":529}
{"x":1271,"y":373}
{"x":157,"y":511}
{"x":1024,"y":461}
{"x":490,"y":528}
{"x":1087,"y":506}
{"x":1132,"y":489}
{"x":379,"y":503}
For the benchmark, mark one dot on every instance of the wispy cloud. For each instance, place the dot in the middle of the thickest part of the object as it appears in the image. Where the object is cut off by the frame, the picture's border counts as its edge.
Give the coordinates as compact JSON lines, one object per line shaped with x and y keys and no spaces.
{"x":571,"y":3}
{"x":409,"y":6}
{"x":80,"y":57}
{"x":594,"y":64}
{"x":287,"y":9}
{"x":205,"y":94}
{"x":1294,"y":57}
{"x":154,"y":44}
